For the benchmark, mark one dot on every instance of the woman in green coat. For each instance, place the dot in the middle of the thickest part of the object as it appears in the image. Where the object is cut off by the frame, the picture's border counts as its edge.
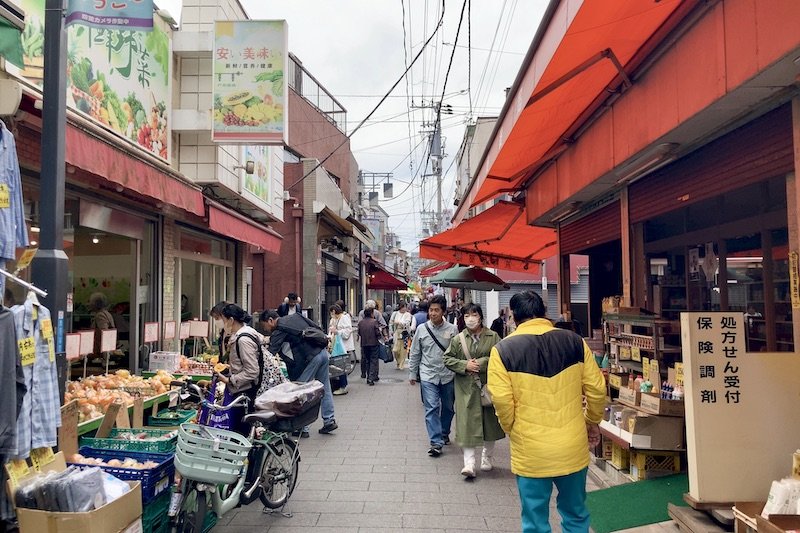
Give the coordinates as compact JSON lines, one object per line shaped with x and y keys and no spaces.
{"x":476,"y":425}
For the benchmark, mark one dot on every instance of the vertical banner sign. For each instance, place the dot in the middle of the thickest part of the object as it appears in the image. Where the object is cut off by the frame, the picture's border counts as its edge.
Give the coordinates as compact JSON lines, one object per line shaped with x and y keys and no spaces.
{"x":794,"y":279}
{"x":257,"y":186}
{"x":250,"y":81}
{"x":736,"y":398}
{"x":117,"y":77}
{"x":118,"y":14}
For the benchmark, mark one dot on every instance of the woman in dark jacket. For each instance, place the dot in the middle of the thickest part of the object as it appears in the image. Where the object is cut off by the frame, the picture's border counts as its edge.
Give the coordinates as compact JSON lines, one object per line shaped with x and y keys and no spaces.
{"x":371,"y":335}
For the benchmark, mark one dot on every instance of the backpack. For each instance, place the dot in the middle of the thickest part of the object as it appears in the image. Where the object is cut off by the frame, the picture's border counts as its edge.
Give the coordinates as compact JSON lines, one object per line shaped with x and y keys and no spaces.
{"x":314,"y":337}
{"x":269,"y":373}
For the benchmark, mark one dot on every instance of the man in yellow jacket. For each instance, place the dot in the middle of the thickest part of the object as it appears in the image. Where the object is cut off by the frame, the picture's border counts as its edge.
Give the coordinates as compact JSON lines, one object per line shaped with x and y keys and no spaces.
{"x":538,"y":377}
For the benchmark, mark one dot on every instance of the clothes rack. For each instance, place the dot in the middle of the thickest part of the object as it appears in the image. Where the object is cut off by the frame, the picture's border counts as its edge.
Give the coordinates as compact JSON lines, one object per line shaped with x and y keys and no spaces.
{"x":24,"y":283}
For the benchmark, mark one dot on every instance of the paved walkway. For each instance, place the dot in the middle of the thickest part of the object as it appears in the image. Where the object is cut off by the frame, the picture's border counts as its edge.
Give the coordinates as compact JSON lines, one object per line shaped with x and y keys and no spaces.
{"x":374,"y":475}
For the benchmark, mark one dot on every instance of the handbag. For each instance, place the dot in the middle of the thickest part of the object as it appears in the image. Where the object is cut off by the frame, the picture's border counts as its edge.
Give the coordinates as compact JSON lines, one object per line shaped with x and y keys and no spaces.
{"x":486,"y":396}
{"x":338,"y":347}
{"x":384,"y":353}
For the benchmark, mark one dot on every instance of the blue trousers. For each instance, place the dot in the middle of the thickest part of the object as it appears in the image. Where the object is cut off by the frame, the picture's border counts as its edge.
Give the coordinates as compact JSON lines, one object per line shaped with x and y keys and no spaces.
{"x":317,"y":368}
{"x":439,"y":402}
{"x":534,"y":496}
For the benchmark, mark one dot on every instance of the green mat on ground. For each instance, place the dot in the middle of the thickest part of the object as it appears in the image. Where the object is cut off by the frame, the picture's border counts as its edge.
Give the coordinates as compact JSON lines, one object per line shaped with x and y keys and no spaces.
{"x":635,"y":504}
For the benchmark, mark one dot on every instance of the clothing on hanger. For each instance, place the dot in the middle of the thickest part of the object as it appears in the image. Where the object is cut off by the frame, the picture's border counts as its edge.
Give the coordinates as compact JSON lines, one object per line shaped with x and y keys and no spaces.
{"x":13,"y":232}
{"x":38,"y":421}
{"x":12,"y":382}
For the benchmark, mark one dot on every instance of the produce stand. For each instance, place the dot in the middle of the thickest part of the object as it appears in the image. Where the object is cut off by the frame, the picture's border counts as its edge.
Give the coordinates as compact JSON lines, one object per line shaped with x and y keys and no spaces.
{"x":194,"y":377}
{"x":94,"y":423}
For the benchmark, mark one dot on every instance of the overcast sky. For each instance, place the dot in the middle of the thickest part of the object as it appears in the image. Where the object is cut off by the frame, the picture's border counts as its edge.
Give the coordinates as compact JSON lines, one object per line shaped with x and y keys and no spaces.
{"x":355,"y":48}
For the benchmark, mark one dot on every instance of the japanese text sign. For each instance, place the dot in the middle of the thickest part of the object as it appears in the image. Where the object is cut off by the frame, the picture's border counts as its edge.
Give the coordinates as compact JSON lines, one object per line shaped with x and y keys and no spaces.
{"x":169,"y":330}
{"x":125,"y":14}
{"x":249,"y":81}
{"x":718,"y":344}
{"x":151,"y":332}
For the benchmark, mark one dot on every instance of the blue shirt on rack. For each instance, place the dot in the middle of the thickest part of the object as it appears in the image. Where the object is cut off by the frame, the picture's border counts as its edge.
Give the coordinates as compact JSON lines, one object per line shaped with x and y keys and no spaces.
{"x":13,"y":233}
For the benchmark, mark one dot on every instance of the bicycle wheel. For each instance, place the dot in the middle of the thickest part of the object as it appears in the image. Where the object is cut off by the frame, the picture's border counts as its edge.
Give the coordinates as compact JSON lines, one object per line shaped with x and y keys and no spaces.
{"x":193,"y":510}
{"x":351,"y":363}
{"x":279,"y":473}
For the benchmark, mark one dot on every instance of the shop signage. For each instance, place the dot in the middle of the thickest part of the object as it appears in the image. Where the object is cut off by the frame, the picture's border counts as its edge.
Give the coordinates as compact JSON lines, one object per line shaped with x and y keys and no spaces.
{"x":794,"y":278}
{"x":169,"y":330}
{"x":249,"y":81}
{"x":108,"y":340}
{"x":117,"y":77}
{"x":123,"y":14}
{"x":87,"y":342}
{"x":257,"y":186}
{"x":198,"y":328}
{"x":150,"y":332}
{"x":186,"y":329}
{"x":73,"y":346}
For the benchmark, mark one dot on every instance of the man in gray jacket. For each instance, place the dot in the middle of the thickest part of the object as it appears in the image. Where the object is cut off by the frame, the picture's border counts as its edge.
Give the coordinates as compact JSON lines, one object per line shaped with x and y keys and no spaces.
{"x":426,"y":365}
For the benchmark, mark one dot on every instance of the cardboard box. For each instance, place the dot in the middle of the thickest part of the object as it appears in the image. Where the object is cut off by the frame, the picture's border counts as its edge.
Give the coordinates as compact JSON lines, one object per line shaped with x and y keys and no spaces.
{"x":169,"y":361}
{"x":605,"y":448}
{"x":115,"y":517}
{"x":655,"y":405}
{"x":778,"y":523}
{"x":618,"y":381}
{"x":629,"y":397}
{"x":647,"y":431}
{"x":620,"y":457}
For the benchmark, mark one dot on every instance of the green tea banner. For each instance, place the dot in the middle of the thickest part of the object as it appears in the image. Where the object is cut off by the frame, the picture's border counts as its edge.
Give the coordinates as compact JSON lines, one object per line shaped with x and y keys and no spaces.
{"x":117,"y":77}
{"x":250,"y":84}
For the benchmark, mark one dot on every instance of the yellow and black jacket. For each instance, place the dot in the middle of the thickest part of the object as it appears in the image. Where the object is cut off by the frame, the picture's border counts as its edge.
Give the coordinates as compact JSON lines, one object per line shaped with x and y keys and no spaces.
{"x":538,"y":376}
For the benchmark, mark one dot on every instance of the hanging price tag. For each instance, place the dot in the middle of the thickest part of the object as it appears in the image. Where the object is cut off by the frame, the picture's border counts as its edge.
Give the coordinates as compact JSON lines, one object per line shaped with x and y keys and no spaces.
{"x":25,"y":259}
{"x":5,"y":196}
{"x":46,"y":327}
{"x":27,"y":350}
{"x":51,"y":346}
{"x":17,"y":469}
{"x":40,"y":457}
{"x":646,"y":368}
{"x":679,"y":374}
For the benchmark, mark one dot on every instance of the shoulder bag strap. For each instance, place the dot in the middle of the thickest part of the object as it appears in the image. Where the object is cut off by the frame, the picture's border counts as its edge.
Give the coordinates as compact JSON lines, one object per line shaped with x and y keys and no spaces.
{"x":439,"y":344}
{"x":260,"y":356}
{"x":464,"y":346}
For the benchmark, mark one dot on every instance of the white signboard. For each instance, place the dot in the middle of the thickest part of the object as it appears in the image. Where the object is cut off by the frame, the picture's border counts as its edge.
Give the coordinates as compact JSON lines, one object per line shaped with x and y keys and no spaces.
{"x":198,"y":328}
{"x":87,"y":342}
{"x":169,"y":330}
{"x":73,"y":346}
{"x":150,"y":332}
{"x":742,"y":420}
{"x":108,"y":340}
{"x":186,"y":328}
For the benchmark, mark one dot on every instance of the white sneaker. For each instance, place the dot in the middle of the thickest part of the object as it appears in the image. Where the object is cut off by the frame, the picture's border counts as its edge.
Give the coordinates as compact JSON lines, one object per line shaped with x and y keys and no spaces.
{"x":486,"y":463}
{"x":468,"y":471}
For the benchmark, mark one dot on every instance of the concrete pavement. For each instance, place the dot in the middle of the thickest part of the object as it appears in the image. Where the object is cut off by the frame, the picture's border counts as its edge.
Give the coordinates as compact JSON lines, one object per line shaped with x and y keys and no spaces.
{"x":373,"y":474}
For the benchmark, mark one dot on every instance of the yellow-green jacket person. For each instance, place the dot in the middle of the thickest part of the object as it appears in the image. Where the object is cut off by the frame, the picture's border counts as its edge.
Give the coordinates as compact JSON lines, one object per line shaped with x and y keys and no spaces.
{"x":538,"y":377}
{"x":476,"y":425}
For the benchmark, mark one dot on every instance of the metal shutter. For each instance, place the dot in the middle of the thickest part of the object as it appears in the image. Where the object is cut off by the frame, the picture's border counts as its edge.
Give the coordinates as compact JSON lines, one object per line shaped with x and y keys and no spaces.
{"x":599,"y":227}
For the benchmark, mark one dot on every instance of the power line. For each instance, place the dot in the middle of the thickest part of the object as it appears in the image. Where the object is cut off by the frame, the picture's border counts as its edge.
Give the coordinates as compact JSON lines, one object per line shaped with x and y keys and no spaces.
{"x":396,"y":83}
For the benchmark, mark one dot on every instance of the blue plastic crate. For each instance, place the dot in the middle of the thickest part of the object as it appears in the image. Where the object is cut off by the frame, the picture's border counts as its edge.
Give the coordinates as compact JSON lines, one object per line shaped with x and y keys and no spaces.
{"x":154,"y":480}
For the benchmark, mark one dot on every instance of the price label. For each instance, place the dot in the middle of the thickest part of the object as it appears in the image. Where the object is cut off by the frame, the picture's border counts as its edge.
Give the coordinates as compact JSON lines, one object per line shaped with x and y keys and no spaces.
{"x":25,"y":259}
{"x":41,"y":457}
{"x":51,"y":346}
{"x":5,"y":196}
{"x":73,"y":346}
{"x":636,"y":354}
{"x":679,"y":374}
{"x":655,"y":372}
{"x":27,"y":350}
{"x":17,"y":469}
{"x":46,"y":327}
{"x":646,"y":368}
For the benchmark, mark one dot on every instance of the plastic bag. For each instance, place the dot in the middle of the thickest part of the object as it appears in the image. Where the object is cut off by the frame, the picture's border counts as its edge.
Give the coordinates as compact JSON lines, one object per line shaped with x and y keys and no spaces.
{"x":25,"y":495}
{"x":783,"y":497}
{"x":114,"y":487}
{"x":290,"y":399}
{"x":338,"y":347}
{"x":87,"y":490}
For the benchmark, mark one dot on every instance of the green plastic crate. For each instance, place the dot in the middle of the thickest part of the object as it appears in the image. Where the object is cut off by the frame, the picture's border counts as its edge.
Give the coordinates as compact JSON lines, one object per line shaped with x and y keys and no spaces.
{"x":154,"y":515}
{"x":166,"y":417}
{"x":113,"y":442}
{"x":210,"y":521}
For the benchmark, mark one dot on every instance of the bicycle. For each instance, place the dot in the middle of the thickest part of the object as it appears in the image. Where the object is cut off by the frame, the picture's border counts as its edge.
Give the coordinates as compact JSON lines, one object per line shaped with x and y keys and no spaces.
{"x":343,"y":364}
{"x":221,"y":470}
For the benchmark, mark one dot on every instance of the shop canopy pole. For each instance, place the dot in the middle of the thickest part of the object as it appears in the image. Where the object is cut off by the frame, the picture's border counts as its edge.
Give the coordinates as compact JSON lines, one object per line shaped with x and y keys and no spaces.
{"x":49,"y":267}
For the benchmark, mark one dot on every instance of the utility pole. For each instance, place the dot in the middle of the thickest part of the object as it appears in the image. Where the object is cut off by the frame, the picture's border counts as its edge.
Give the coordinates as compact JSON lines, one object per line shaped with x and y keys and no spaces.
{"x":433,"y":222}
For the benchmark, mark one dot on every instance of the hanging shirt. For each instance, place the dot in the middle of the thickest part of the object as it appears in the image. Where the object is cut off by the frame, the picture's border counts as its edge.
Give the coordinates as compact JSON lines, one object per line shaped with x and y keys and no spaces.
{"x":12,"y":383}
{"x":13,"y":233}
{"x":39,"y":420}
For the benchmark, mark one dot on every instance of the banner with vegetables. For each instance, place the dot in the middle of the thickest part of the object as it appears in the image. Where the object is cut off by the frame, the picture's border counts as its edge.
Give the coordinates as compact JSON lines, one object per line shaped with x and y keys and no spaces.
{"x":118,"y":77}
{"x":257,"y":185}
{"x":250,"y":84}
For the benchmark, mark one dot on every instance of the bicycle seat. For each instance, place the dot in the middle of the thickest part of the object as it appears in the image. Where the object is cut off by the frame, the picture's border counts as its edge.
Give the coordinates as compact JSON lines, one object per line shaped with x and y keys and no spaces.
{"x":265,"y":417}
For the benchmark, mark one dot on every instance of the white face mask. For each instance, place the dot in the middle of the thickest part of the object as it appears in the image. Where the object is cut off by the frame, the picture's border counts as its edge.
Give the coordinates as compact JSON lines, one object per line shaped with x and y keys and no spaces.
{"x":472,"y":322}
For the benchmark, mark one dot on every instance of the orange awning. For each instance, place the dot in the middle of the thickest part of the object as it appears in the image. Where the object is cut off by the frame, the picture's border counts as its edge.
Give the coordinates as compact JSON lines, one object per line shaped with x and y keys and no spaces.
{"x":238,"y":227}
{"x":431,"y":269}
{"x":498,"y":238}
{"x":572,"y":68}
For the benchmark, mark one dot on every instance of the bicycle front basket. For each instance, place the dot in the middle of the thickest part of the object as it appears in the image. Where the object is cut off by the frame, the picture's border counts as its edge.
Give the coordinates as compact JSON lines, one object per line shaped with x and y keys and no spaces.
{"x":218,"y":459}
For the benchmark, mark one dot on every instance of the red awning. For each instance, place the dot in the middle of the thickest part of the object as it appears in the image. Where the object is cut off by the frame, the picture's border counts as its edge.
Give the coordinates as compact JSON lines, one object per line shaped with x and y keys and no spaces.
{"x":570,"y":71}
{"x":434,"y":268}
{"x":239,"y":228}
{"x":97,"y":157}
{"x":498,"y":238}
{"x":380,"y":279}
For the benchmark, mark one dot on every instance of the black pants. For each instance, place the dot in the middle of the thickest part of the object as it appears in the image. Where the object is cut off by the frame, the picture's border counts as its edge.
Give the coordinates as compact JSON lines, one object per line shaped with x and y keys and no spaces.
{"x":369,"y":362}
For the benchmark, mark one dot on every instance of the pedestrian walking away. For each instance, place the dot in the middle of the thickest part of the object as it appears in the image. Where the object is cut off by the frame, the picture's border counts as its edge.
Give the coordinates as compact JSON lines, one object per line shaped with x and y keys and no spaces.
{"x":538,"y":378}
{"x":341,"y":324}
{"x":476,"y":422}
{"x":304,"y":361}
{"x":371,"y":335}
{"x":402,"y":323}
{"x":370,"y":304}
{"x":426,"y":366}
